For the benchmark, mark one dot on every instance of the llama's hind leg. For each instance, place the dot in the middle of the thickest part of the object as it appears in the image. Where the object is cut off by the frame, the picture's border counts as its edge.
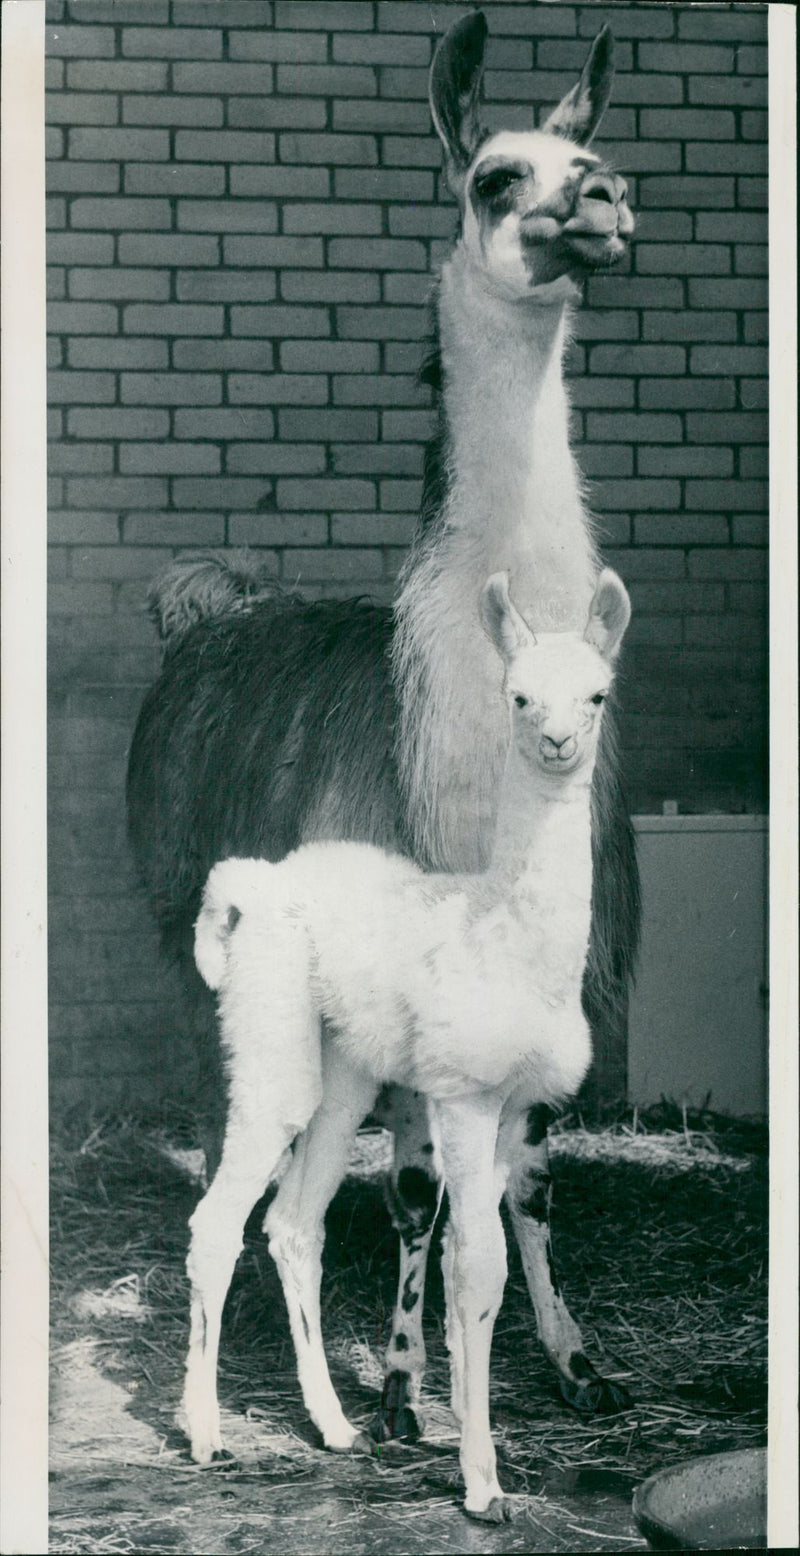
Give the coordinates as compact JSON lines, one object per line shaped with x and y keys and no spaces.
{"x":529,"y":1193}
{"x":414,"y":1194}
{"x":295,"y":1226}
{"x":251,"y":1151}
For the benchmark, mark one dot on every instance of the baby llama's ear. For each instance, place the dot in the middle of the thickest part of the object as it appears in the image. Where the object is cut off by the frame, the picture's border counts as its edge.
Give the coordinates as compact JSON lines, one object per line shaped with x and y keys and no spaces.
{"x":454,"y":88}
{"x":609,"y":614}
{"x":501,"y":619}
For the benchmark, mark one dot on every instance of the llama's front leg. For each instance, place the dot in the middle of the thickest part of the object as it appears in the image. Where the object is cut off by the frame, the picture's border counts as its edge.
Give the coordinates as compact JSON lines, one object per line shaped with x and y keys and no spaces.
{"x":468,"y":1136}
{"x":250,"y":1154}
{"x":524,"y":1144}
{"x":414,"y":1193}
{"x":295,"y":1226}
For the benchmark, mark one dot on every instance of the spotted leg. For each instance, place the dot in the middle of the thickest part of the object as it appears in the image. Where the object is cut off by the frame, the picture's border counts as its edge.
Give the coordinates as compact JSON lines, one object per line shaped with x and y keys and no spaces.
{"x":524,"y":1142}
{"x":414,"y":1194}
{"x":295,"y":1224}
{"x":475,"y":1282}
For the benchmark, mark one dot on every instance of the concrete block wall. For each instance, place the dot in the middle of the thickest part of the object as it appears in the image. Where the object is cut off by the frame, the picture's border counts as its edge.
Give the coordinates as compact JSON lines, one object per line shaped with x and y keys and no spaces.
{"x":245,"y":211}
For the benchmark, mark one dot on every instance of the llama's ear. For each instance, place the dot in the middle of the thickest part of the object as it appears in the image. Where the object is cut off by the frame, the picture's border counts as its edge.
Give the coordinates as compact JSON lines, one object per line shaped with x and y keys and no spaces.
{"x":455,"y":82}
{"x":609,"y":614}
{"x":579,"y":113}
{"x":501,"y":619}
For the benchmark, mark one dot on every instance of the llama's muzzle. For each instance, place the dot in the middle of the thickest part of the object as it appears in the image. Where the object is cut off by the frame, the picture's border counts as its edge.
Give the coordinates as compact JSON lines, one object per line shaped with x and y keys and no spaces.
{"x":600,"y":227}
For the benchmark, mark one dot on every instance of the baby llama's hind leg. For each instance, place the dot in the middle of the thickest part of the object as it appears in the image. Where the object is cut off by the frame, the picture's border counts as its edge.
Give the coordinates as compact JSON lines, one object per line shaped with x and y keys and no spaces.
{"x":295,"y":1223}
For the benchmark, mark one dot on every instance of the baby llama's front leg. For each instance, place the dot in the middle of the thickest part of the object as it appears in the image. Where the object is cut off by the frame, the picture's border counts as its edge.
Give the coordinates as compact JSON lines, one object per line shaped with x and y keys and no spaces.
{"x":468,"y":1136}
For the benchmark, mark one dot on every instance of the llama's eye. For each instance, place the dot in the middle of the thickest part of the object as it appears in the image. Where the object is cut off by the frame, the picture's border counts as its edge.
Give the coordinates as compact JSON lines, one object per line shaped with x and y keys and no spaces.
{"x":522,"y":702}
{"x":598,"y":698}
{"x":496,"y":183}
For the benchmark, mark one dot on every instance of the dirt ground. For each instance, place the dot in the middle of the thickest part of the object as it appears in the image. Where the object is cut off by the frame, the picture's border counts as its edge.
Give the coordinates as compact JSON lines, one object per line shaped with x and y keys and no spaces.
{"x":661,"y":1243}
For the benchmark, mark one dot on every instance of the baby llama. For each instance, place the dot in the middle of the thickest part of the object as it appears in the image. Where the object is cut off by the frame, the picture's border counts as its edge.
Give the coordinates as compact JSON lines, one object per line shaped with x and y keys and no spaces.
{"x":342,"y":968}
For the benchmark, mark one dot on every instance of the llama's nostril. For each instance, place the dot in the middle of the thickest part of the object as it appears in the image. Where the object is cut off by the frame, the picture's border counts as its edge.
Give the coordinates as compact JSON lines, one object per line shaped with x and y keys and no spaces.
{"x":598,"y":192}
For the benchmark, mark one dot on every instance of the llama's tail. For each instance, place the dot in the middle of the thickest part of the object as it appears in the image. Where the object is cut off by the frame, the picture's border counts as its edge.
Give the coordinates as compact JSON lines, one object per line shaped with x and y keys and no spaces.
{"x":221,"y":911}
{"x":207,"y":584}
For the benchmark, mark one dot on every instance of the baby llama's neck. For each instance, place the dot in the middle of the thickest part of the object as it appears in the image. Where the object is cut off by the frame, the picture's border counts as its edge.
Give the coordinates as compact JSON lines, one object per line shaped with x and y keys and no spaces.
{"x":542,"y":850}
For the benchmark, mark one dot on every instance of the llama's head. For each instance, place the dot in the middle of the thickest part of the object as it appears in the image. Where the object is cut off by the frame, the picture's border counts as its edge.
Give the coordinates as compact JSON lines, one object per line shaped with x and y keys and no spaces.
{"x":556,"y":684}
{"x":536,"y":206}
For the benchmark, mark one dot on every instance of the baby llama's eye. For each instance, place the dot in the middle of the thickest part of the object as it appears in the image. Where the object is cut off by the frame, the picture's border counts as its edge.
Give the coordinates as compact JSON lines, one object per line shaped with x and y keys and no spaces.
{"x":522,"y":702}
{"x":598,"y":698}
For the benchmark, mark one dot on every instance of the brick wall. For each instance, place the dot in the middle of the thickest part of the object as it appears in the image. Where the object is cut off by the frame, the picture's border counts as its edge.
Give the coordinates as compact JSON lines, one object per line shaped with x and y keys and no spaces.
{"x":245,"y":209}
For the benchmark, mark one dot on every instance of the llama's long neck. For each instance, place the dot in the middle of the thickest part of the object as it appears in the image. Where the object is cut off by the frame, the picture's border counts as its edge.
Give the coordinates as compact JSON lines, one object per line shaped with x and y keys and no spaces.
{"x":512,"y":502}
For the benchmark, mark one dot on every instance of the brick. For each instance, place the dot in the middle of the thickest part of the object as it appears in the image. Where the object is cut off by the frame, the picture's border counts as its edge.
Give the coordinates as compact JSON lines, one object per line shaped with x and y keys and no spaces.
{"x":152,"y":12}
{"x":750,"y":529}
{"x":712,"y":21}
{"x":219,"y":355}
{"x":338,"y":15}
{"x":79,"y":458}
{"x":332,"y":218}
{"x":172,"y":319}
{"x":733,"y":227}
{"x":329,"y":356}
{"x":275,"y":459}
{"x":687,"y":191}
{"x":691,"y":325}
{"x":734,"y":427}
{"x":735,"y":632}
{"x":170,"y":529}
{"x":663,"y":226}
{"x":728,"y":563}
{"x":71,"y":597}
{"x":682,"y":596}
{"x":720,"y":360}
{"x":400,"y":496}
{"x":224,"y":146}
{"x":115,"y":144}
{"x":85,"y":42}
{"x":277,"y":389}
{"x":357,"y":150}
{"x":753,"y":192}
{"x":116,"y":562}
{"x":756,"y":327}
{"x":350,"y":286}
{"x":753,"y":125}
{"x":173,"y":111}
{"x":749,"y":599}
{"x":202,"y":77}
{"x":608,"y":324}
{"x":413,"y":288}
{"x":637,"y":359}
{"x":754,"y":463}
{"x":377,"y":254}
{"x":364,"y":529}
{"x":597,"y":391}
{"x":687,"y":124}
{"x":55,"y":214}
{"x":634,"y":292}
{"x":378,"y":459}
{"x":327,"y":80}
{"x":169,"y":459}
{"x":401,"y":358}
{"x":605,"y":459}
{"x":56,"y":288}
{"x":222,"y":286}
{"x":69,"y":177}
{"x":296,"y":47}
{"x":634,"y":428}
{"x":636,"y":494}
{"x":540,"y":20}
{"x":332,"y":493}
{"x":268,"y":529}
{"x":751,"y":259}
{"x":296,"y":183}
{"x":324,"y":425}
{"x":117,"y":353}
{"x":279,"y":113}
{"x":172,"y":43}
{"x":639,"y":89}
{"x":119,"y":283}
{"x":87,"y":529}
{"x":116,"y":76}
{"x":647,"y":156}
{"x":728,"y":294}
{"x":220,"y":492}
{"x":680,"y":529}
{"x":270,"y":252}
{"x":227,"y":216}
{"x":411,"y":151}
{"x":726,"y":495}
{"x":381,"y":323}
{"x":427,"y":221}
{"x":643,"y":21}
{"x":381,"y":49}
{"x":682,"y":394}
{"x":75,"y":388}
{"x":174,"y":178}
{"x":407,"y":118}
{"x":170,"y":388}
{"x":72,"y":248}
{"x":328,"y":563}
{"x":742,"y":91}
{"x":388,"y":389}
{"x":685,"y":57}
{"x":751,"y":60}
{"x":719,"y":157}
{"x":120,"y":422}
{"x":72,"y":318}
{"x":117,"y":492}
{"x":238,"y":13}
{"x":123,"y":214}
{"x":408,"y":425}
{"x":683,"y":259}
{"x":280,"y":321}
{"x":167,"y":249}
{"x":81,"y":108}
{"x":695,"y":460}
{"x":224,"y":422}
{"x":383,"y":184}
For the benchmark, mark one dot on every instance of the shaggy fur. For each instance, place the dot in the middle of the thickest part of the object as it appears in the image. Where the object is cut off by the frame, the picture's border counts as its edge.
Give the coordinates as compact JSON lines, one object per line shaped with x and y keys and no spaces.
{"x":465,"y":987}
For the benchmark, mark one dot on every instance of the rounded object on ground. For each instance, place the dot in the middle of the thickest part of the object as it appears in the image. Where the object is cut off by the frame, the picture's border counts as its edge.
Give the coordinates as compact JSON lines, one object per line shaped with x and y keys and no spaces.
{"x":716,"y":1503}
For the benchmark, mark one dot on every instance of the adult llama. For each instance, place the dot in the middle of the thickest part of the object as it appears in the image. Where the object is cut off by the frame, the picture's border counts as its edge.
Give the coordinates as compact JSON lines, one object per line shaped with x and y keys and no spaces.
{"x":276,"y":721}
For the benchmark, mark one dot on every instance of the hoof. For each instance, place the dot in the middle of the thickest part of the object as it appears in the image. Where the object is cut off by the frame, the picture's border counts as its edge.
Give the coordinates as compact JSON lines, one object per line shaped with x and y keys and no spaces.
{"x":498,"y":1512}
{"x":597,"y":1397}
{"x":396,"y":1418}
{"x":363,"y":1443}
